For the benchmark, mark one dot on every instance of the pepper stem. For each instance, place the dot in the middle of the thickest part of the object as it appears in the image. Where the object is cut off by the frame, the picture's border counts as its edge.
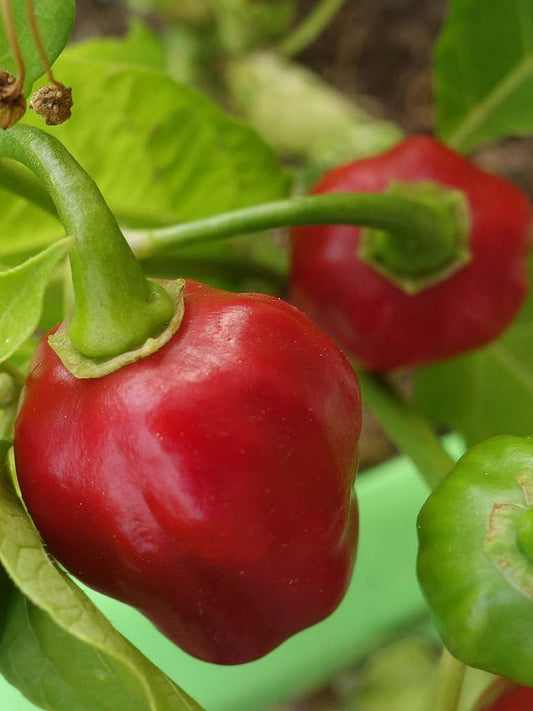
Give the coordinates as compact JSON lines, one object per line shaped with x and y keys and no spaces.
{"x":116,"y":308}
{"x":435,"y":228}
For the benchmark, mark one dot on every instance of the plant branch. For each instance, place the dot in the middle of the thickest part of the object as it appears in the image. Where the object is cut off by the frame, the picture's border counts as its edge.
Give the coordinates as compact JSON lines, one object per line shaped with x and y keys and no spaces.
{"x":449,"y":683}
{"x":30,"y":9}
{"x":409,"y":430}
{"x":310,"y":28}
{"x":416,"y":438}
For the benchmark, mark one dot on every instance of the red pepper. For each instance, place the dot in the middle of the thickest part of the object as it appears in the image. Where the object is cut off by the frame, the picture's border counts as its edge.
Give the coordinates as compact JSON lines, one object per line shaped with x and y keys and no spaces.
{"x":504,"y":695}
{"x":378,"y":324}
{"x":209,"y":484}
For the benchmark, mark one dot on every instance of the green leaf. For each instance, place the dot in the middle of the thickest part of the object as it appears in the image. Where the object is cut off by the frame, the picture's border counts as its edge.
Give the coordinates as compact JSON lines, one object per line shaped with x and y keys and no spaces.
{"x":24,"y":229}
{"x":21,"y":296}
{"x":160,"y":152}
{"x":484,"y":72}
{"x":55,"y":646}
{"x":54,"y":19}
{"x":485,"y":393}
{"x":141,"y":47}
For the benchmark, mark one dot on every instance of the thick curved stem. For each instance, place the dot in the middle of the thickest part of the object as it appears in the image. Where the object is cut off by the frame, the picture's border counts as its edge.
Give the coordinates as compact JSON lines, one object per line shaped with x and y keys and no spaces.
{"x":116,"y":307}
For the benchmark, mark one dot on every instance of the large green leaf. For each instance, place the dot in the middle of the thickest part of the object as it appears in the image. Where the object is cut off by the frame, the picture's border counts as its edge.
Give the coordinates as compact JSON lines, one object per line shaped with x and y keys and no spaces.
{"x":21,"y":296}
{"x":54,"y":18}
{"x":488,"y":392}
{"x":55,"y":646}
{"x":160,"y":152}
{"x":484,"y":72}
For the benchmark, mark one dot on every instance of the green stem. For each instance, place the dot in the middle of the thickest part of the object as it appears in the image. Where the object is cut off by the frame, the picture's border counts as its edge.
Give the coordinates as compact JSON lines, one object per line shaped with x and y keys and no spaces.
{"x":116,"y":308}
{"x":449,"y":683}
{"x":310,"y":28}
{"x":420,"y":235}
{"x":409,"y":430}
{"x":416,"y":438}
{"x":425,"y":229}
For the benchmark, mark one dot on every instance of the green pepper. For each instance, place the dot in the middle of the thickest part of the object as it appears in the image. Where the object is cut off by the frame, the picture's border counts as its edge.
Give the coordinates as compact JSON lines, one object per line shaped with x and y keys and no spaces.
{"x":475,"y":563}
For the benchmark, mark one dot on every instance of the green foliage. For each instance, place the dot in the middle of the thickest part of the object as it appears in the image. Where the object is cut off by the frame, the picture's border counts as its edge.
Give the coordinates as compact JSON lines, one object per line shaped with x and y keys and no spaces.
{"x":300,"y":116}
{"x":54,"y":18}
{"x":487,"y":392}
{"x":21,"y":296}
{"x":484,"y":72}
{"x":160,"y":152}
{"x":54,"y":645}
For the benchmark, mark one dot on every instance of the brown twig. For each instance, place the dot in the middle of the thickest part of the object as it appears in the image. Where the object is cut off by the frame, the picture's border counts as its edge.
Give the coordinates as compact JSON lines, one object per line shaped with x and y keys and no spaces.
{"x":16,"y":88}
{"x":34,"y":27}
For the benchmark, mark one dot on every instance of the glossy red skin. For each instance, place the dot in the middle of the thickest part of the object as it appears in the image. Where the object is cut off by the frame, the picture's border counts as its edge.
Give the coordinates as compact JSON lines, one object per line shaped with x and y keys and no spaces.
{"x":210,"y":484}
{"x":375,"y":322}
{"x":504,"y":695}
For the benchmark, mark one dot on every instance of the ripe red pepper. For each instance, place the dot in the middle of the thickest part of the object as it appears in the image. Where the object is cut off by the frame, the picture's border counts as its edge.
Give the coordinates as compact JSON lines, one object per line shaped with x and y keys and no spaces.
{"x":209,"y":484}
{"x":503,"y":695}
{"x":376,"y":322}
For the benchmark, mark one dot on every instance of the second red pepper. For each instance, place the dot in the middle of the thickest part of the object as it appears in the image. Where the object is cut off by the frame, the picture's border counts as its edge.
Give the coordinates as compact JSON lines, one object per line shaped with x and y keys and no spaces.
{"x":377,"y":323}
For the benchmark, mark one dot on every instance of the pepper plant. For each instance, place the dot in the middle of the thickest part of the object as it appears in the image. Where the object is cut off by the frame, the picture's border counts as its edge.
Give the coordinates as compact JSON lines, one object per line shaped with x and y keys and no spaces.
{"x":191,"y":450}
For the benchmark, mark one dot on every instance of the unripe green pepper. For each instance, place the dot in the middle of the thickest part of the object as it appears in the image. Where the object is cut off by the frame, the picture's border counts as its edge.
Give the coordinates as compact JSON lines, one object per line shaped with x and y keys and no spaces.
{"x":475,"y":563}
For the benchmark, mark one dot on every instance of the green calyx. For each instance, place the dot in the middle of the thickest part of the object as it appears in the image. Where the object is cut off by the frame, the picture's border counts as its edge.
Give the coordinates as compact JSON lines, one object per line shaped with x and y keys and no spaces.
{"x":409,"y":263}
{"x":525,"y":536}
{"x":84,"y":367}
{"x":117,"y":310}
{"x":509,"y":540}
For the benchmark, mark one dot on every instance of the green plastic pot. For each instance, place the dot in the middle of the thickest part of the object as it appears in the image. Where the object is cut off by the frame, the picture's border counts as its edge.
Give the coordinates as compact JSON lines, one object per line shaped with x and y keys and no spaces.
{"x":383,"y":598}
